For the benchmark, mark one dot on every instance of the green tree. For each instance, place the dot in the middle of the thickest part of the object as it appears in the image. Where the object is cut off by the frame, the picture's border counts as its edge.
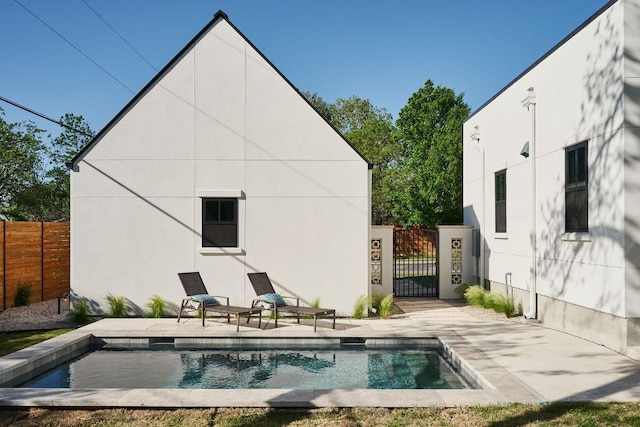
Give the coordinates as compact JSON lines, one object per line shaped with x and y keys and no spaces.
{"x":21,"y":165}
{"x":74,"y":136}
{"x":34,"y":181}
{"x":430,"y":132}
{"x":371,"y":132}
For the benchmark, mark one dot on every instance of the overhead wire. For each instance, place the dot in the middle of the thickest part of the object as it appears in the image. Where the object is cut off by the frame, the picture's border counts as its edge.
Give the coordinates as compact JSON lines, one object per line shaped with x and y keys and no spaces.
{"x":119,"y":35}
{"x":29,"y":110}
{"x":75,"y":47}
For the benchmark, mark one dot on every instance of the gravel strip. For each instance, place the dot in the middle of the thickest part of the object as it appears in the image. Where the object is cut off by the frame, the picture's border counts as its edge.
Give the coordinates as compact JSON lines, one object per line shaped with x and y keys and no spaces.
{"x":36,"y":316}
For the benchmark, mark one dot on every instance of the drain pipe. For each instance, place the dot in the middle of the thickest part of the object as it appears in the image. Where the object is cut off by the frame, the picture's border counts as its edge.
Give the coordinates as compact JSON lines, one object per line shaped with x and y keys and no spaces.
{"x":475,"y":137}
{"x":530,"y":104}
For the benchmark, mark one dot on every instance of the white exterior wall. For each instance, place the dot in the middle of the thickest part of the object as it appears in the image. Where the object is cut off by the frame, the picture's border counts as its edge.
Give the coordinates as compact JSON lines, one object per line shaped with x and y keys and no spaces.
{"x":221,"y":120}
{"x":578,"y":97}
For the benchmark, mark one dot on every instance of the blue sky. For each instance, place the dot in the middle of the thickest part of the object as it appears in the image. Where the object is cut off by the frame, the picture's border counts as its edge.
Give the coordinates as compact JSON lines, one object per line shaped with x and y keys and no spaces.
{"x":375,"y":49}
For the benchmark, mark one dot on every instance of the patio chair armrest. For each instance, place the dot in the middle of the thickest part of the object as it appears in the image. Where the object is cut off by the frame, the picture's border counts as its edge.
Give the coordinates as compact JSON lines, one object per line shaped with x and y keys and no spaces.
{"x":295,"y":298}
{"x":221,"y":297}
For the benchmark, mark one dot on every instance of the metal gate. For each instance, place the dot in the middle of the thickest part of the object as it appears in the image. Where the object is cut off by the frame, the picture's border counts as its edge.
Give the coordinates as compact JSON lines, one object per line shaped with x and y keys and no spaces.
{"x":415,"y":270}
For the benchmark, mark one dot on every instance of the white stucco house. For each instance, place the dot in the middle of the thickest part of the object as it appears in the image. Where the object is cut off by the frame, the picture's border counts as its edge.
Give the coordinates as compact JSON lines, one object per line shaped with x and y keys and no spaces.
{"x":561,"y":227}
{"x":219,"y":165}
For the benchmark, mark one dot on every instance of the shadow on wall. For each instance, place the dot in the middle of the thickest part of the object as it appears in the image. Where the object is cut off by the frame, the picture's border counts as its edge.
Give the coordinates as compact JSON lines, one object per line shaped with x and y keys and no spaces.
{"x":603,"y":98}
{"x":471,"y":218}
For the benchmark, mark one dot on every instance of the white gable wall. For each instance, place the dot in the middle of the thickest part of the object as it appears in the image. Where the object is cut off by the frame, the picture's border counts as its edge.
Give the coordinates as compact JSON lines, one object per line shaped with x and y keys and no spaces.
{"x":222,"y":119}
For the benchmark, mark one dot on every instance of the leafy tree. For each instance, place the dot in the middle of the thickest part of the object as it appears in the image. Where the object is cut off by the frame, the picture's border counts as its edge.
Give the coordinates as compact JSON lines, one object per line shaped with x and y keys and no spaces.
{"x":323,"y":107}
{"x":430,"y":131}
{"x":34,"y":182}
{"x":21,"y":165}
{"x":61,"y":150}
{"x":371,"y":131}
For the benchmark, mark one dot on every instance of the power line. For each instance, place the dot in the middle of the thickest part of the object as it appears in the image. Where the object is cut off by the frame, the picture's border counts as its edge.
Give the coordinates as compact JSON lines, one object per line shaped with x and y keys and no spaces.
{"x":22,"y":107}
{"x":75,"y":47}
{"x":119,"y":35}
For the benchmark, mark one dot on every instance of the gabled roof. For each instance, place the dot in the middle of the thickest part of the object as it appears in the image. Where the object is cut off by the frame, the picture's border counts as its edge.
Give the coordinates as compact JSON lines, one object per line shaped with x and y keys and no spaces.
{"x":219,"y":15}
{"x":543,"y":57}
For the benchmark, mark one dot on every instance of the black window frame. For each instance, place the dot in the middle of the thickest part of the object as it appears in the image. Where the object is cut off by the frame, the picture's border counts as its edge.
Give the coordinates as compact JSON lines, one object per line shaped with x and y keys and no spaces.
{"x":576,"y":199}
{"x":218,"y":229}
{"x":500,"y":187}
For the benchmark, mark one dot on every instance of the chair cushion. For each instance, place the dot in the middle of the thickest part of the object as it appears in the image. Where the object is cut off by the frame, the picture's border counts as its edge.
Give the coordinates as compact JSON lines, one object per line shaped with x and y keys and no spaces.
{"x":205,"y":299}
{"x":274,"y":299}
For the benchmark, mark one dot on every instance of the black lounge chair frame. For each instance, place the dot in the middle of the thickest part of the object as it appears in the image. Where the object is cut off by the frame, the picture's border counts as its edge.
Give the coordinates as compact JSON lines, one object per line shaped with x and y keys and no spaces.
{"x":193,"y":285}
{"x":262,"y":285}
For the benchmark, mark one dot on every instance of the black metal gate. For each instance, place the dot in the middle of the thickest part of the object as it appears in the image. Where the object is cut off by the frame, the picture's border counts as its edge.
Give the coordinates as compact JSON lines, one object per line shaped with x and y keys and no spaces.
{"x":415,"y":267}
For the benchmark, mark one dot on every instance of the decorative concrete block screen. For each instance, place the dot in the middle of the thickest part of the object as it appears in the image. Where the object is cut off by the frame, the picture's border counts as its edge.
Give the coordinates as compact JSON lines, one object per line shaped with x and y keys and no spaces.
{"x":455,"y":259}
{"x":376,"y":261}
{"x":381,"y":260}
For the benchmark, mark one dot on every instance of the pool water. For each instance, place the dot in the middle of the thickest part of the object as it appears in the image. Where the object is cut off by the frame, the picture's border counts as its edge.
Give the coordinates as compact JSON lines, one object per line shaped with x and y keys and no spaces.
{"x":242,"y":369}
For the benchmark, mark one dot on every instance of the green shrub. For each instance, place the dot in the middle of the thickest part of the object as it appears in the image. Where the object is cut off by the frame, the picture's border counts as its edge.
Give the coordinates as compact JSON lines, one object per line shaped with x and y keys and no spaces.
{"x":374,"y":302}
{"x":360,"y":307}
{"x":315,"y":303}
{"x":23,"y":295}
{"x":157,"y":307}
{"x":504,"y":304}
{"x":386,"y":306}
{"x":80,"y":312}
{"x":475,"y":295}
{"x":500,"y":303}
{"x":117,"y":306}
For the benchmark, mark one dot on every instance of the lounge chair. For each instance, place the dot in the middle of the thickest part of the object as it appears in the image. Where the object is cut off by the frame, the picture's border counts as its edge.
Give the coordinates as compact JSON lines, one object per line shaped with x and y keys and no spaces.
{"x":267,"y":295}
{"x":199,"y":299}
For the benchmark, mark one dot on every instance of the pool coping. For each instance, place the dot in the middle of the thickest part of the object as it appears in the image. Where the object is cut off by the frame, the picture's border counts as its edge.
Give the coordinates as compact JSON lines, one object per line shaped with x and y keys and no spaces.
{"x":499,"y":386}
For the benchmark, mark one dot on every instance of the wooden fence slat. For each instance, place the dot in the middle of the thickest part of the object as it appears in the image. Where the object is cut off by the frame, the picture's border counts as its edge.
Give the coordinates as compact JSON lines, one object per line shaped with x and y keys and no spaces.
{"x":37,"y":254}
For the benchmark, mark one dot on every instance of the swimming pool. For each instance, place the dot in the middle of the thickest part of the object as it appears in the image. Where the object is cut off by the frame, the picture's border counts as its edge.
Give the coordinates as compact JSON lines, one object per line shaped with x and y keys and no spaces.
{"x":145,"y":334}
{"x":281,"y":368}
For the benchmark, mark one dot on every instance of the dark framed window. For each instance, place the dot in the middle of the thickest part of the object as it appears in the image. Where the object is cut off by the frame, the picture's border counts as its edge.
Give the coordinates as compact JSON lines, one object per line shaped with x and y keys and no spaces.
{"x":219,"y":223}
{"x":576,"y":193}
{"x":501,"y":201}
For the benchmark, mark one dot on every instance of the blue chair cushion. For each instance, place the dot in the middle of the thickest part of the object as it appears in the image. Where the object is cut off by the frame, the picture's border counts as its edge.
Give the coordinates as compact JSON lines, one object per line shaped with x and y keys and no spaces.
{"x":205,"y":299}
{"x":274,"y":299}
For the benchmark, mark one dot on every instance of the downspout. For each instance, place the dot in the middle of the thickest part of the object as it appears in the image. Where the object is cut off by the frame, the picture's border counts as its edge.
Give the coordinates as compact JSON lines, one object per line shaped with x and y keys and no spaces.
{"x":530,"y":104}
{"x":475,"y":136}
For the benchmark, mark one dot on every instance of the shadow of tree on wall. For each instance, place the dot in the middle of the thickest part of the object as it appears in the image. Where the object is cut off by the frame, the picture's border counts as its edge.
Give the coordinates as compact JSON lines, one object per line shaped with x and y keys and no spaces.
{"x":557,"y":259}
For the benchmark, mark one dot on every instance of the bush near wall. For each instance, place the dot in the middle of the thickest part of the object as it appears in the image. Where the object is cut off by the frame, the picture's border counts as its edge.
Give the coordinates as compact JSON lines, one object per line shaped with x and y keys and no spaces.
{"x":37,"y":254}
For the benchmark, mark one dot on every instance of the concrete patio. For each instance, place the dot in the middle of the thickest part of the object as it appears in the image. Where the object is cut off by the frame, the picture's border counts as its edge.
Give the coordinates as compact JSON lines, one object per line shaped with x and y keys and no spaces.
{"x":517,"y":362}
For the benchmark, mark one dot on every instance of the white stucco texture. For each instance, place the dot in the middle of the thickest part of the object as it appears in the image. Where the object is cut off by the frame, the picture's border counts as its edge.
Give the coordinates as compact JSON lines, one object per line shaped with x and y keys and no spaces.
{"x":220,"y":120}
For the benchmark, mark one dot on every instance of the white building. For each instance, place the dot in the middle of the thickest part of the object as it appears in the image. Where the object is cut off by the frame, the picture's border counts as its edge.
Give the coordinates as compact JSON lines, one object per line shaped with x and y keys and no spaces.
{"x":572,"y":205}
{"x":220,"y":165}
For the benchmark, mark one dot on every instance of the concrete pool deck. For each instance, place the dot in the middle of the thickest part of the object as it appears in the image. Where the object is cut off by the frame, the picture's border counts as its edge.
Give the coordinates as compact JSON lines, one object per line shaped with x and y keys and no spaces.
{"x":519,"y":362}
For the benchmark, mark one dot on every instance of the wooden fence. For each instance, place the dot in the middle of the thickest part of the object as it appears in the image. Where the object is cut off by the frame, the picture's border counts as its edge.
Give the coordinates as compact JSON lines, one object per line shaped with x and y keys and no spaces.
{"x":414,"y":241}
{"x":36,"y":254}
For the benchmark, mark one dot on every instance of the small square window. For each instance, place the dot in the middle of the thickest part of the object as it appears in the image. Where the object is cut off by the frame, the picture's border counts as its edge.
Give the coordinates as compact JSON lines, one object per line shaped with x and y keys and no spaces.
{"x":219,"y":222}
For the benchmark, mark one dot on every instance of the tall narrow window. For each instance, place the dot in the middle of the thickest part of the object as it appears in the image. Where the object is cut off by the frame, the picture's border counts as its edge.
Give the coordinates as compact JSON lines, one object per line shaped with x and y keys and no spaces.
{"x":501,"y":201}
{"x":576,"y":194}
{"x":220,"y":223}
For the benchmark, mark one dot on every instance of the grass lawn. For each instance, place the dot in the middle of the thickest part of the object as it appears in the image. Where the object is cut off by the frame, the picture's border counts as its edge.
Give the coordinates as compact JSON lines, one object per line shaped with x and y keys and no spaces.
{"x":14,"y":341}
{"x":555,"y":414}
{"x":596,"y":414}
